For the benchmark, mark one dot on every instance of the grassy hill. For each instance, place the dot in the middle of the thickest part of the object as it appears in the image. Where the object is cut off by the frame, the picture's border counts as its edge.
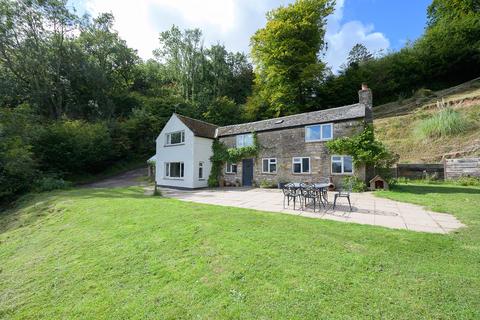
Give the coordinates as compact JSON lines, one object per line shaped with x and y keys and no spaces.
{"x":398,"y":124}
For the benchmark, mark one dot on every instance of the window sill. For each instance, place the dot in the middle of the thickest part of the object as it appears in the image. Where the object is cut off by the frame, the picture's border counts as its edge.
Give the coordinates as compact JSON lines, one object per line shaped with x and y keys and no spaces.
{"x":301,"y":173}
{"x":272,"y":173}
{"x":323,"y":140}
{"x":174,"y":145}
{"x":168,"y":178}
{"x":342,"y":174}
{"x":231,"y":173}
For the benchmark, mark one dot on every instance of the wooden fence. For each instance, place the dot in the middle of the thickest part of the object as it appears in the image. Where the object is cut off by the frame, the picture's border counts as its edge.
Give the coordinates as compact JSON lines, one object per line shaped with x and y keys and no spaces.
{"x":466,"y":167}
{"x":420,"y":170}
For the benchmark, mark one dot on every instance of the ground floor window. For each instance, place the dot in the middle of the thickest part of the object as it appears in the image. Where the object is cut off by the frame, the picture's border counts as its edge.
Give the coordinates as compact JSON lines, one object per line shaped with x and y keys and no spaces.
{"x":174,"y":169}
{"x":342,"y":165}
{"x":231,"y":167}
{"x":269,"y":165}
{"x":200,"y":170}
{"x":301,"y":165}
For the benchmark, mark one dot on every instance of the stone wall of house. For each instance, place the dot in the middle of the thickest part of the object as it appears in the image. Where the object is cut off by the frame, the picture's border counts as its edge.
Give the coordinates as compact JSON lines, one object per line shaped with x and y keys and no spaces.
{"x":288,"y":143}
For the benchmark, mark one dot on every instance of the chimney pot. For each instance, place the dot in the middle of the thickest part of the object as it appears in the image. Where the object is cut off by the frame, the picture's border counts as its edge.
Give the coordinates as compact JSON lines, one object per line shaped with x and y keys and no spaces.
{"x":364,"y":86}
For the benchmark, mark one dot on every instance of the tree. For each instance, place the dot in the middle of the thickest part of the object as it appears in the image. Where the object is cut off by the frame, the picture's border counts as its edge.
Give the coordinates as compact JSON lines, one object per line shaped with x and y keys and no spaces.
{"x":286,"y":55}
{"x":35,"y":41}
{"x":450,"y":10}
{"x":223,"y":111}
{"x":183,"y":55}
{"x":358,"y":54}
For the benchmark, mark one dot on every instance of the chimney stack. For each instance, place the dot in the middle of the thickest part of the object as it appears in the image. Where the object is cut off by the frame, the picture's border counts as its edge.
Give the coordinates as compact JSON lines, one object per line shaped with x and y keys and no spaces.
{"x":365,"y":98}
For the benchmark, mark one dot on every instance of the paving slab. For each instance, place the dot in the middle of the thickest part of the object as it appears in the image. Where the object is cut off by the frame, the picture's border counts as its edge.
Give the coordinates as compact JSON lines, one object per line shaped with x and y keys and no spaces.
{"x":366,"y":208}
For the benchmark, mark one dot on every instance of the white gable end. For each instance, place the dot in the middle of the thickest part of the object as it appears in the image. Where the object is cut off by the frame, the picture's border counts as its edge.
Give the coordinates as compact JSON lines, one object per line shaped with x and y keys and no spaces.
{"x":178,"y":165}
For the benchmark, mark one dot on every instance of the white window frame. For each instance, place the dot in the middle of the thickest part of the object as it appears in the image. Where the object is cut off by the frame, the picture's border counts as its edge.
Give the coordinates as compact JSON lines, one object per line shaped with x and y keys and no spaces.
{"x":201,"y":168}
{"x":342,"y":163}
{"x":301,"y":165}
{"x":168,"y":141}
{"x":270,"y":161}
{"x":240,"y":140}
{"x":229,"y":168}
{"x":321,"y":125}
{"x":167,"y":170}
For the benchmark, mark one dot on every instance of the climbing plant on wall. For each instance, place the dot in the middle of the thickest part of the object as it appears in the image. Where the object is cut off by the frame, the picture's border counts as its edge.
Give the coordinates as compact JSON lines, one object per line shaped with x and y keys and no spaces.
{"x":364,"y":149}
{"x":222,"y":154}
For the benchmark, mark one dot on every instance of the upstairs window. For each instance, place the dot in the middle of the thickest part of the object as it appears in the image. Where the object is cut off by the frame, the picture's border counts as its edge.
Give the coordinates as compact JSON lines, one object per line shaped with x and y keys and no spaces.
{"x":301,"y":165}
{"x":231,"y":168}
{"x":269,"y":165}
{"x":319,"y":132}
{"x":174,"y":138}
{"x":244,"y":140}
{"x":174,"y":170}
{"x":342,"y":165}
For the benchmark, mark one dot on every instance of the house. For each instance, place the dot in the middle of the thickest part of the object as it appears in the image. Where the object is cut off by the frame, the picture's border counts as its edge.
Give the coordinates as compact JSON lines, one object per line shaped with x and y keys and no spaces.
{"x":184,"y":148}
{"x":292,"y":148}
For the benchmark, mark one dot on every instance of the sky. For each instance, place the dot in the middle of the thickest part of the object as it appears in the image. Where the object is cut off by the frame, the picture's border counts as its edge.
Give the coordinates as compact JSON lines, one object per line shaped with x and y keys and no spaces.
{"x":380,"y":25}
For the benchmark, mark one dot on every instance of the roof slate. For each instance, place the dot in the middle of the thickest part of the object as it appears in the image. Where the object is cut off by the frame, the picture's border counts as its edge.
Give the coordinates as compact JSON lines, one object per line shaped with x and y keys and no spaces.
{"x":198,"y":127}
{"x":328,"y":115}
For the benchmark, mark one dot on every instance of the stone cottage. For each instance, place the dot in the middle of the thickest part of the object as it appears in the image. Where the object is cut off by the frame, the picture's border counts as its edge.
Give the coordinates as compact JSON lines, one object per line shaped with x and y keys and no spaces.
{"x":292,"y":148}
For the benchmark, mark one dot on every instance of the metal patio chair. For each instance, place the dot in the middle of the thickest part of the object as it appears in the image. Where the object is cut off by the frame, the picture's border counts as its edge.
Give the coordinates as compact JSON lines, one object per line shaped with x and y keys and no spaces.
{"x":311,"y":194}
{"x":343,"y":192}
{"x":290,"y":192}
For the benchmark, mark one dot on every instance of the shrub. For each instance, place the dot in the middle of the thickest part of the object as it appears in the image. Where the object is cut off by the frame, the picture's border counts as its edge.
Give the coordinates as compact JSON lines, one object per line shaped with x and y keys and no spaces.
{"x":50,"y":183}
{"x":267,"y":184}
{"x":74,"y":146}
{"x":17,"y":162}
{"x":445,"y":123}
{"x":467,"y":181}
{"x":358,"y":185}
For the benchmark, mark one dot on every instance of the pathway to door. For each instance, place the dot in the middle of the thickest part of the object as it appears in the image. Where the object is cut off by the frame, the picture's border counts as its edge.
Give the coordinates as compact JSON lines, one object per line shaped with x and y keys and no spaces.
{"x":367,"y":209}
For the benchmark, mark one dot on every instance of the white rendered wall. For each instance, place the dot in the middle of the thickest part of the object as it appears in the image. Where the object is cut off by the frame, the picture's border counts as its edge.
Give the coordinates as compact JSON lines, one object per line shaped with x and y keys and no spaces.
{"x":202,"y":152}
{"x":178,"y":153}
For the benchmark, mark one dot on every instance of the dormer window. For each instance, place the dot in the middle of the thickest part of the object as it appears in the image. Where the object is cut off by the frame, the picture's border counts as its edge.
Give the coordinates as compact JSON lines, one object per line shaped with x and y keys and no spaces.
{"x":174,"y":138}
{"x":319,"y":132}
{"x":244,"y":140}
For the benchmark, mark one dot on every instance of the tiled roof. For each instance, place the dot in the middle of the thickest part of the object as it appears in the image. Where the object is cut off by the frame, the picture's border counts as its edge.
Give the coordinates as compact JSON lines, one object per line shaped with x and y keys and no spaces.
{"x":328,"y":115}
{"x":198,"y":127}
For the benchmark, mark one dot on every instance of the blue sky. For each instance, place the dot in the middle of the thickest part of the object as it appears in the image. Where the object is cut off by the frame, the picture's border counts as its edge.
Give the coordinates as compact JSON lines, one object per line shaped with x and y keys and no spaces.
{"x":379,"y":24}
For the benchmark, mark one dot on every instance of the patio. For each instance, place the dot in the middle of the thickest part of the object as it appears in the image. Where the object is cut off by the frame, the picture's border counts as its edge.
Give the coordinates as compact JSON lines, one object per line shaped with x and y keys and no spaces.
{"x":366,"y":208}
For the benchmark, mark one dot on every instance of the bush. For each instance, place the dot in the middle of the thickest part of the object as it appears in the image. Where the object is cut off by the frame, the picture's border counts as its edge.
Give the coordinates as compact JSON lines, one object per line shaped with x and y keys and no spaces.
{"x":467,"y":181}
{"x":358,"y":185}
{"x":18,"y":167}
{"x":445,"y":123}
{"x":267,"y":184}
{"x":50,"y":183}
{"x":74,"y":146}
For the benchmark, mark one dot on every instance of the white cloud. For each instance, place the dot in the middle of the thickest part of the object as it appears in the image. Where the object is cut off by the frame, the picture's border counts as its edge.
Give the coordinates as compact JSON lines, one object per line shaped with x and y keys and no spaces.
{"x":231,"y":22}
{"x":341,"y":37}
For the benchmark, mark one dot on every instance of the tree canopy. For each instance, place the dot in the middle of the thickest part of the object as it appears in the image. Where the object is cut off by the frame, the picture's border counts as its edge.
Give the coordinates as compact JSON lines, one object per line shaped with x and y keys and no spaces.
{"x":286,"y":57}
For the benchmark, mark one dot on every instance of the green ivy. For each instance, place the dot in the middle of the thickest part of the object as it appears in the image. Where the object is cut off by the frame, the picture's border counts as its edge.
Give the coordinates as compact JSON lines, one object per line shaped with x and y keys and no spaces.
{"x":223,"y":154}
{"x":364,"y":149}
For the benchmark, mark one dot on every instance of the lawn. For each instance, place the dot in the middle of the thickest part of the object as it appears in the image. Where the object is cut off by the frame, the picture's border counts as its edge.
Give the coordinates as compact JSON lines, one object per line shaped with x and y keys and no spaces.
{"x":118,"y":254}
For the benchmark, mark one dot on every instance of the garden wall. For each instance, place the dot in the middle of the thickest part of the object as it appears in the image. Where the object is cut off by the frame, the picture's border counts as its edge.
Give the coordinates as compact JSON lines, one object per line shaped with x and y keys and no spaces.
{"x":413,"y":171}
{"x":464,"y":167}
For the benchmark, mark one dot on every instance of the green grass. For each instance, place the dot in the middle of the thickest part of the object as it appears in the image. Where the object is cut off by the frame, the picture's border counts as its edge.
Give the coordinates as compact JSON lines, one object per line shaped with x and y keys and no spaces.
{"x":445,"y":123}
{"x":118,"y":254}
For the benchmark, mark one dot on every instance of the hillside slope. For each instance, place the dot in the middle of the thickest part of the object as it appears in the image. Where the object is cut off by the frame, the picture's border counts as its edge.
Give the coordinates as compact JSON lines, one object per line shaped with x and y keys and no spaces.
{"x":396,"y":123}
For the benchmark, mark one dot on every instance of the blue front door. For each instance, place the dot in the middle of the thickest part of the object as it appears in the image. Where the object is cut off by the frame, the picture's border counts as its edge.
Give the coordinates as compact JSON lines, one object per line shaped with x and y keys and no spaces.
{"x":247,"y":172}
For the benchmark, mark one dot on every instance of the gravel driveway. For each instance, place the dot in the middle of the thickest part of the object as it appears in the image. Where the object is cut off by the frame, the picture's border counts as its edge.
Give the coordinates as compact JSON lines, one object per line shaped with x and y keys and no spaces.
{"x":126,"y":179}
